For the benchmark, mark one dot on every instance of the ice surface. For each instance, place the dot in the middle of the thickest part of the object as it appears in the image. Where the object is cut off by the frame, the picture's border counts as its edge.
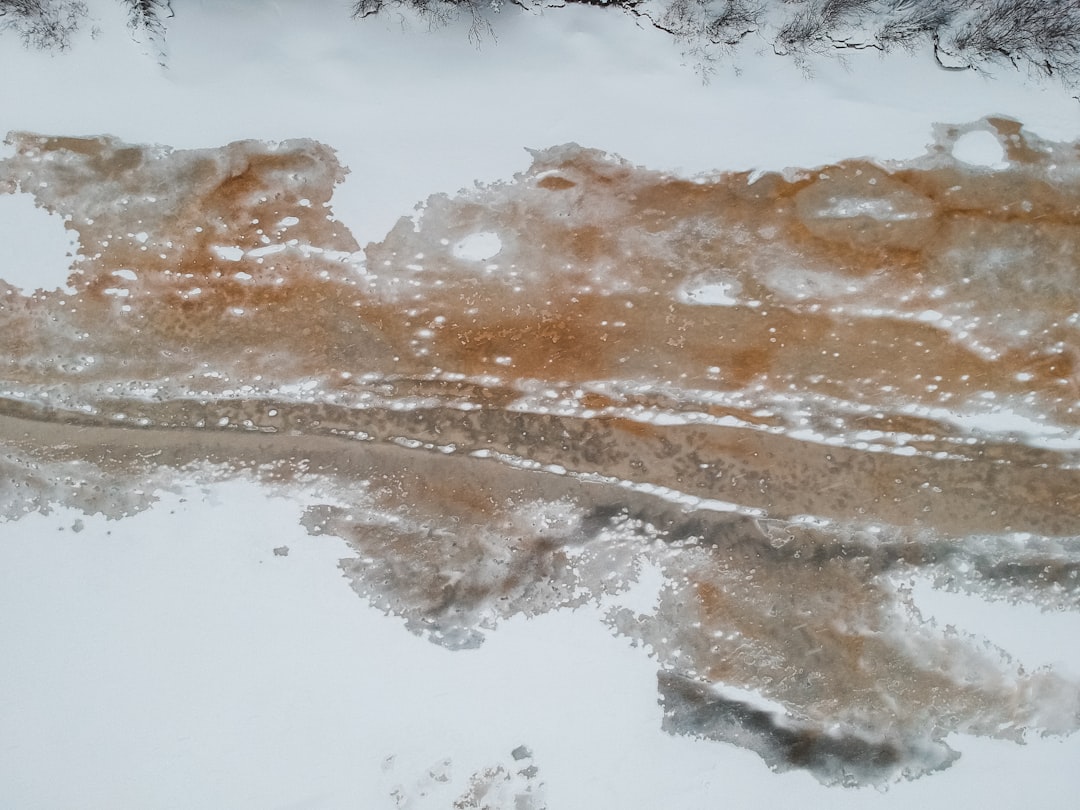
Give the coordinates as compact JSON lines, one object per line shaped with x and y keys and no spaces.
{"x":785,"y":461}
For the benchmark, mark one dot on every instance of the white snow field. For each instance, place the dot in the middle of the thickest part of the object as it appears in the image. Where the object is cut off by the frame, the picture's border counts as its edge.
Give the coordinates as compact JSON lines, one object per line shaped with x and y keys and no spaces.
{"x":208,"y":652}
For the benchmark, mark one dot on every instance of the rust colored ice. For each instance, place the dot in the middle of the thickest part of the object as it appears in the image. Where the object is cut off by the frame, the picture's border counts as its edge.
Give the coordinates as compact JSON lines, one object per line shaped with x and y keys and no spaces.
{"x":787,"y":392}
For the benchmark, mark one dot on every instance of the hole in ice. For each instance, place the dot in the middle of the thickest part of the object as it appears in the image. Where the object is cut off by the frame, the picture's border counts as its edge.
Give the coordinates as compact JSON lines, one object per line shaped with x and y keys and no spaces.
{"x":980,"y":148}
{"x":478,"y":247}
{"x":37,"y":248}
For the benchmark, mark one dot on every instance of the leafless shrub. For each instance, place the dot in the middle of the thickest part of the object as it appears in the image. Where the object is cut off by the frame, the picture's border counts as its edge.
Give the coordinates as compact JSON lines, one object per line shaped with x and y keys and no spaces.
{"x":813,"y":23}
{"x":50,"y":24}
{"x":1038,"y":34}
{"x":149,"y":15}
{"x":47,"y":24}
{"x":910,"y":24}
{"x":722,"y":23}
{"x":440,"y":12}
{"x":1041,"y":36}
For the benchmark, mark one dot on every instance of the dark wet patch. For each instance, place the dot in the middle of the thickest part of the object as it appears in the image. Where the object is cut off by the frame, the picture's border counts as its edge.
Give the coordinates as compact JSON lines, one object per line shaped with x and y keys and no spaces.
{"x":835,"y":756}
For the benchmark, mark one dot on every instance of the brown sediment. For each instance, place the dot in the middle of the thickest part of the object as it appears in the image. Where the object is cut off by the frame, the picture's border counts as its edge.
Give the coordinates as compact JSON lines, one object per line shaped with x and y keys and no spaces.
{"x":834,"y":271}
{"x":786,"y":392}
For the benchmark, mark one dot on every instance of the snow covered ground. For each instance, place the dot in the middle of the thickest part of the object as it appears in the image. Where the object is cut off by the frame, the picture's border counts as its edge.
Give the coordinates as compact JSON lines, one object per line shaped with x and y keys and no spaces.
{"x":173,"y":659}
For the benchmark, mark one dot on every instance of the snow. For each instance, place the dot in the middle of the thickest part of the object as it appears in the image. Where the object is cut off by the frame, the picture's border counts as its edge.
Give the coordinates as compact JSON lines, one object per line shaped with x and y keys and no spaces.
{"x":37,"y":249}
{"x":172,"y":659}
{"x":177,"y":649}
{"x":708,"y":292}
{"x":478,"y":247}
{"x":230,"y":253}
{"x":980,"y":148}
{"x":1031,"y":635}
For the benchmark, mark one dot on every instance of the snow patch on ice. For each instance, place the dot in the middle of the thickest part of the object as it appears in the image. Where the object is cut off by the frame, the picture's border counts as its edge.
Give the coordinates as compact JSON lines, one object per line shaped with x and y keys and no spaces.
{"x":712,"y":293}
{"x":1005,"y":421}
{"x":980,"y":148}
{"x":228,"y":253}
{"x":478,"y":247}
{"x":38,"y":249}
